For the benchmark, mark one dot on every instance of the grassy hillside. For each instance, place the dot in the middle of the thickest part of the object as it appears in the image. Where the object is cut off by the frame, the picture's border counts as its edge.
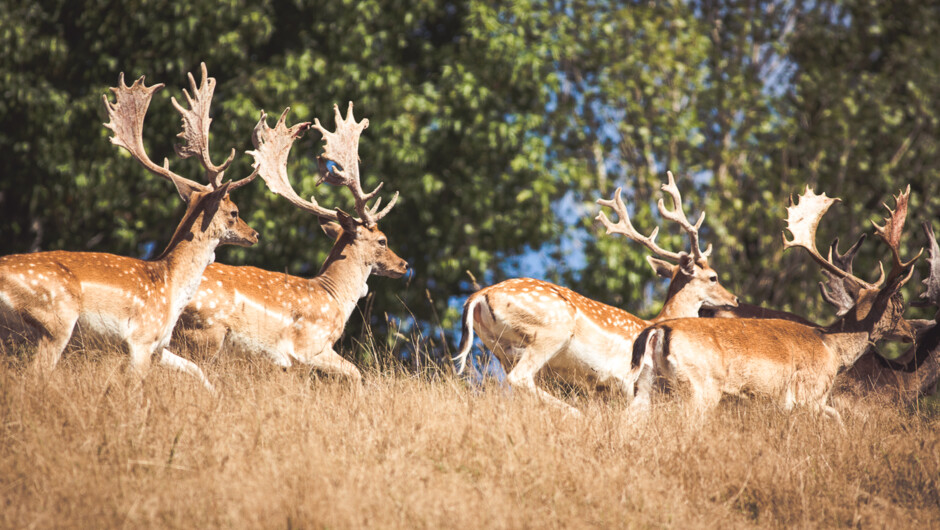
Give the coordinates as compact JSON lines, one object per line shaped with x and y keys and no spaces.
{"x":90,"y":447}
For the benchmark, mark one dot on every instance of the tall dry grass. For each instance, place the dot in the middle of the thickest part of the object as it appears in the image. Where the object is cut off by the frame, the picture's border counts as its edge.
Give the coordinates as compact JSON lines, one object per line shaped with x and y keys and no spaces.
{"x":90,"y":447}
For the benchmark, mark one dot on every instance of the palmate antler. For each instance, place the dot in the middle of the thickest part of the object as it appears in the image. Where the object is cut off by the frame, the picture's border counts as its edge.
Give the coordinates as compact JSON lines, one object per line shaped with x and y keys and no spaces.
{"x":196,"y":121}
{"x":272,"y":147}
{"x":892,"y":229}
{"x":625,"y":227}
{"x":127,"y":115}
{"x":342,"y":148}
{"x":803,"y":219}
{"x":932,"y":295}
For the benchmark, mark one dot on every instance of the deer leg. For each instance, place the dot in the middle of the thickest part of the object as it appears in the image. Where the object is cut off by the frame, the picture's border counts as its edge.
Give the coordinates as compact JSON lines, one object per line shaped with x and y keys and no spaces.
{"x":532,"y":359}
{"x":333,"y":363}
{"x":207,"y":341}
{"x":501,"y":348}
{"x":822,"y":406}
{"x":49,"y":350}
{"x":53,"y":341}
{"x":831,"y":413}
{"x":642,"y":387}
{"x":705,"y":398}
{"x":642,"y":400}
{"x":175,"y":362}
{"x":140,"y":359}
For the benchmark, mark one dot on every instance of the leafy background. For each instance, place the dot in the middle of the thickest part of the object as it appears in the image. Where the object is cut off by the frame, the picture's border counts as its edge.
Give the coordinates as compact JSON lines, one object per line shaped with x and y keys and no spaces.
{"x":499,"y":122}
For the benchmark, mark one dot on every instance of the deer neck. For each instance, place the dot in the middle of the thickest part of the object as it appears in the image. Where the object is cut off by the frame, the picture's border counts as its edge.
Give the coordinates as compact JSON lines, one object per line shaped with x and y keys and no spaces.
{"x":344,"y":274}
{"x":679,"y":305}
{"x":190,"y":251}
{"x":910,"y":375}
{"x":849,"y":338}
{"x":857,"y":328}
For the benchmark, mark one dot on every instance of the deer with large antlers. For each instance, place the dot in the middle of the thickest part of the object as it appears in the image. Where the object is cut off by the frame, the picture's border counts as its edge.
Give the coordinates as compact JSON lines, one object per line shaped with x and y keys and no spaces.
{"x":47,"y":295}
{"x":916,"y":371}
{"x":913,"y":373}
{"x":793,"y":363}
{"x":285,"y":317}
{"x":531,"y":324}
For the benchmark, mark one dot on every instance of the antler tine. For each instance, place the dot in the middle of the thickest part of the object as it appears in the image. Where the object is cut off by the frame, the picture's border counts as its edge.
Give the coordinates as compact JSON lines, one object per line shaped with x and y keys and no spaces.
{"x":625,"y":227}
{"x":932,"y":294}
{"x":802,"y":221}
{"x":678,"y":215}
{"x":837,"y":291}
{"x":126,"y":116}
{"x":196,"y":121}
{"x":342,"y":148}
{"x":892,"y":229}
{"x":845,"y":261}
{"x":378,"y":216}
{"x":272,"y":147}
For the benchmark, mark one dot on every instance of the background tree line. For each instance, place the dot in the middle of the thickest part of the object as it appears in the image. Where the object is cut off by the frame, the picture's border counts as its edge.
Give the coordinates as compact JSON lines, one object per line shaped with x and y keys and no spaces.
{"x":499,"y":122}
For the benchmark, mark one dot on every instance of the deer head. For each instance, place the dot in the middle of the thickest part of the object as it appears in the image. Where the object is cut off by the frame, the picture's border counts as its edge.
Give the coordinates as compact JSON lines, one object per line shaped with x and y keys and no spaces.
{"x":358,"y":238}
{"x":209,"y":209}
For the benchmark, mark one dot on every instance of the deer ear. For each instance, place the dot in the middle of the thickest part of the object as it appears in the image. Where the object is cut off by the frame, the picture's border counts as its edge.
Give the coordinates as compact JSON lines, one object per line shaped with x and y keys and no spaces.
{"x":185,"y":190}
{"x":330,"y":228}
{"x":346,"y":221}
{"x":686,"y":264}
{"x":663,"y":269}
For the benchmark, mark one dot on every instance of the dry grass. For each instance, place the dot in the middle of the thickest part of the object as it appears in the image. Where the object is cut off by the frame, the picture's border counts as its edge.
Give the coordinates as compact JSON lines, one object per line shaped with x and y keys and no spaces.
{"x":90,"y":447}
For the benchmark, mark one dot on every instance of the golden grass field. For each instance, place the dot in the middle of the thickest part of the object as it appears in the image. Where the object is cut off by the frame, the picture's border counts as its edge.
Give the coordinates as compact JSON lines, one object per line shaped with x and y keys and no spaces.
{"x":91,"y":447}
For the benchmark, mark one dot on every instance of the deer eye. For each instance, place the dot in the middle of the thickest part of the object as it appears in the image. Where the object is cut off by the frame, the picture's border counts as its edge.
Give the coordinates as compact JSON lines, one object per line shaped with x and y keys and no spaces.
{"x":234,"y":214}
{"x":713,"y":279}
{"x":383,"y":242}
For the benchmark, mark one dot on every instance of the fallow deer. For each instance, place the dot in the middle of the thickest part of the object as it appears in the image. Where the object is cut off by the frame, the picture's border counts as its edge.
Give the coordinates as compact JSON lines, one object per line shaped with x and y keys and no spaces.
{"x":916,"y":371}
{"x":913,"y":373}
{"x":286,"y":317}
{"x":531,"y":324}
{"x":47,"y":295}
{"x":793,"y":363}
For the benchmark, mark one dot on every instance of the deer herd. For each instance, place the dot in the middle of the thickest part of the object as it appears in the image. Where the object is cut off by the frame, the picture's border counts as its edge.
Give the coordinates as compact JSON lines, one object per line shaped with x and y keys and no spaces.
{"x":701,"y":346}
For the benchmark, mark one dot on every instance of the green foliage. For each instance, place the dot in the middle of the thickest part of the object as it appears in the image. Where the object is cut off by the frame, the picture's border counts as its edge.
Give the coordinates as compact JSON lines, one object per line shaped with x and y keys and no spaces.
{"x":865,"y":111}
{"x":484,"y":115}
{"x":454,"y":93}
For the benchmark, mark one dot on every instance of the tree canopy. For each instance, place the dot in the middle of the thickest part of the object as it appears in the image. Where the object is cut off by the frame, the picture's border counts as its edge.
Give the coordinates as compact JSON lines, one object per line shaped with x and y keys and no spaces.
{"x":500,"y":123}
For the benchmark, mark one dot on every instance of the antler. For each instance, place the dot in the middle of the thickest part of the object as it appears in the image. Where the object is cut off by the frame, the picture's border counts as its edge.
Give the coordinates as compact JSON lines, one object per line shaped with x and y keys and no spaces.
{"x":127,"y":115}
{"x":196,"y":121}
{"x":837,"y":291}
{"x":342,"y":148}
{"x":272,"y":147}
{"x":891,"y":231}
{"x":127,"y":120}
{"x":678,"y":215}
{"x":625,"y":227}
{"x":803,"y":220}
{"x":932,"y":294}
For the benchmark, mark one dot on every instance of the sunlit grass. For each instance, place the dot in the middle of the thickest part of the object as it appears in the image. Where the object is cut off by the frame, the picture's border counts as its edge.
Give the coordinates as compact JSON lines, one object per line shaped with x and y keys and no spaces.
{"x":89,"y":446}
